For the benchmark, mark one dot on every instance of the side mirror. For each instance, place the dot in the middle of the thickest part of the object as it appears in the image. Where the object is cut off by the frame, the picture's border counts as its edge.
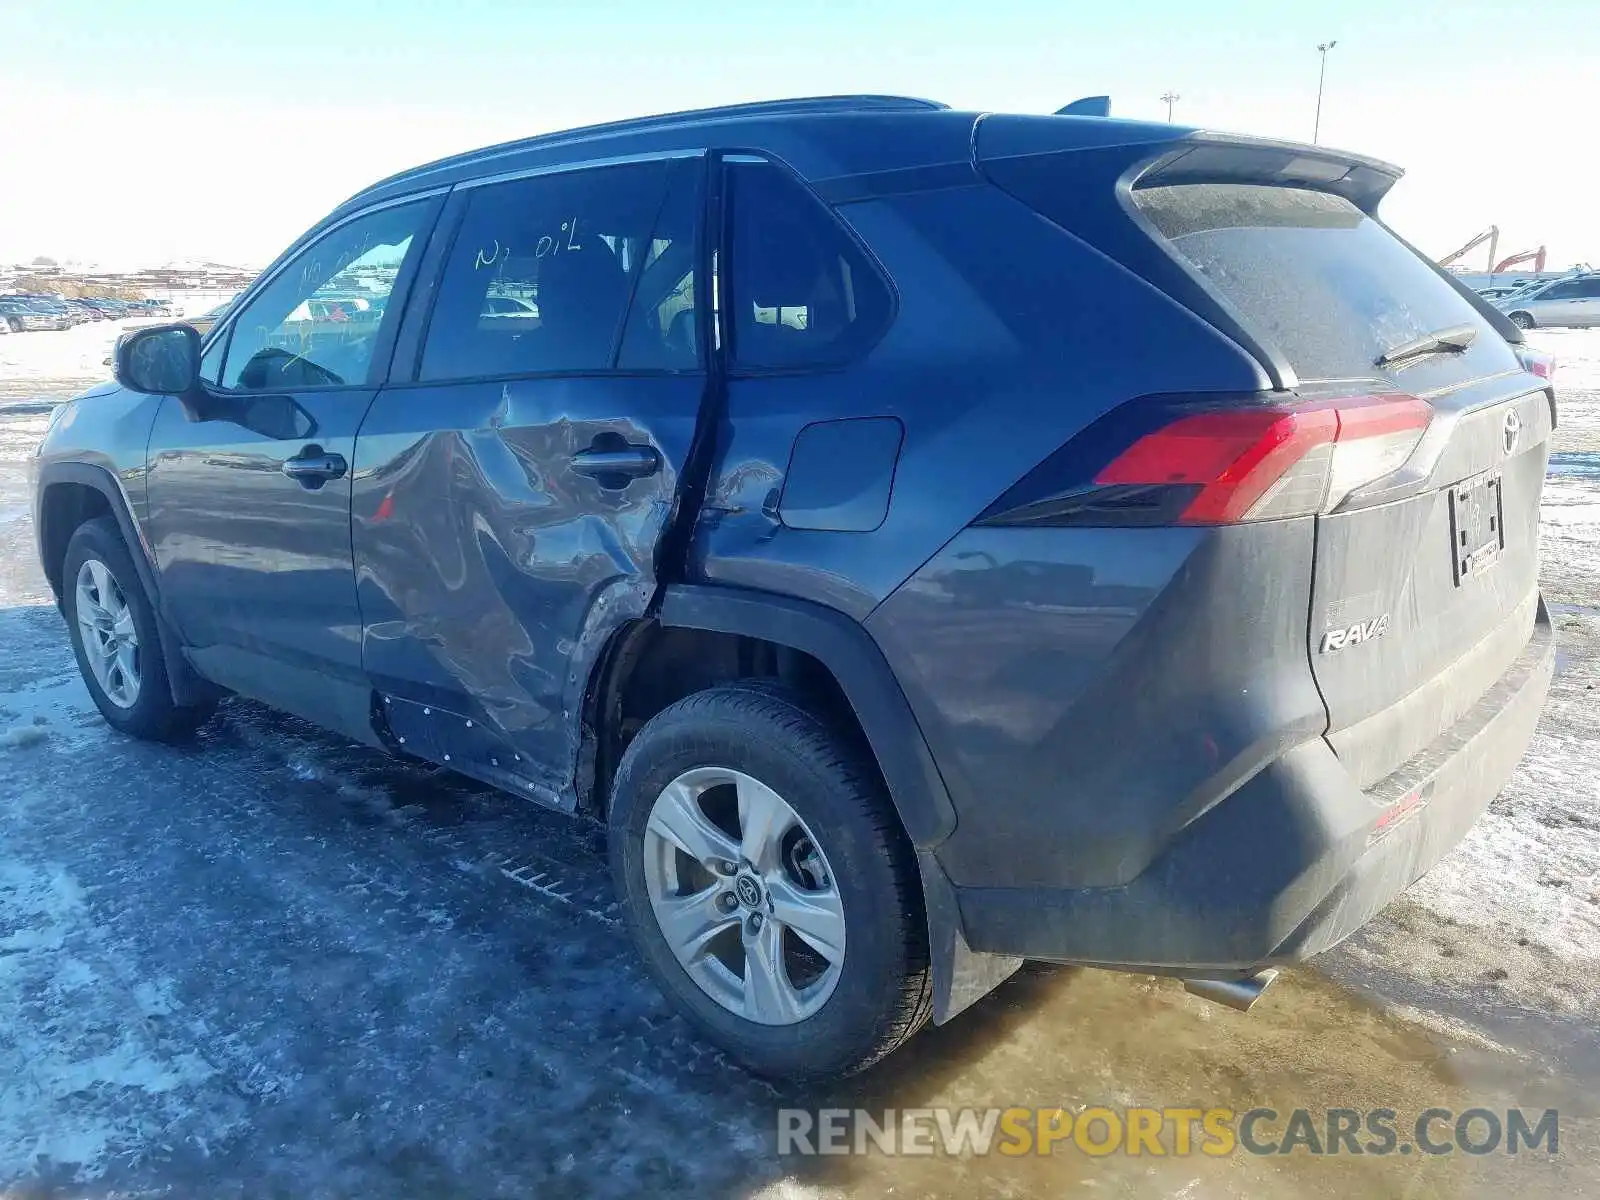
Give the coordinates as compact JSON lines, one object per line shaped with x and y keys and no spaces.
{"x":163,"y":360}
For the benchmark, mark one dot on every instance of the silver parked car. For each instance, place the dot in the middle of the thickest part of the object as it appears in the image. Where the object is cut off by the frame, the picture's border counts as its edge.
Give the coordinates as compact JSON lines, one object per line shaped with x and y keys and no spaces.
{"x":1573,"y":301}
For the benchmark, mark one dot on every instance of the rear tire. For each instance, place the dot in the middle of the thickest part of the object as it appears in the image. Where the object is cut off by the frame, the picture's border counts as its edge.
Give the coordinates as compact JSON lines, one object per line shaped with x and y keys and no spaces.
{"x":117,"y":639}
{"x":856,"y":984}
{"x":15,"y":323}
{"x":1523,"y":320}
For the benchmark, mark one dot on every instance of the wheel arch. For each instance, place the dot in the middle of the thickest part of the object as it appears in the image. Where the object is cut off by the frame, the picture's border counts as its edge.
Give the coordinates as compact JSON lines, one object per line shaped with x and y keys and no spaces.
{"x":862,"y":676}
{"x":72,"y":493}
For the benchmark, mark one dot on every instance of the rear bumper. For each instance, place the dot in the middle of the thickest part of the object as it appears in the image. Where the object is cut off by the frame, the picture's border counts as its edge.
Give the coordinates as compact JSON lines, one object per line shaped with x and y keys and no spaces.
{"x":1290,"y":863}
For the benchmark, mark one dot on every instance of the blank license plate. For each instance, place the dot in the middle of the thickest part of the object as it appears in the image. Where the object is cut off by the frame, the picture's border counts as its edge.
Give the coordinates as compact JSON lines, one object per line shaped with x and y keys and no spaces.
{"x":1477,"y":526}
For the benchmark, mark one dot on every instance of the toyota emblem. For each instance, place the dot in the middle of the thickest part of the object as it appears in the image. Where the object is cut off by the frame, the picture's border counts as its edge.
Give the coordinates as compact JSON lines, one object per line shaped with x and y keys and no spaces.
{"x":1512,"y":431}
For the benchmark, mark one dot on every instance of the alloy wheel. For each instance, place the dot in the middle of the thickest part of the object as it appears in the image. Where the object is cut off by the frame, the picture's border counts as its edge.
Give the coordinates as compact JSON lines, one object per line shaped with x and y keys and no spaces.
{"x":744,"y":895}
{"x":110,"y":639}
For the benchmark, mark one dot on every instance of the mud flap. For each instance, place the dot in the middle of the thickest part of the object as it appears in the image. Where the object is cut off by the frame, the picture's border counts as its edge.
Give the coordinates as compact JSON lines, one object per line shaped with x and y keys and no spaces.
{"x":961,"y":975}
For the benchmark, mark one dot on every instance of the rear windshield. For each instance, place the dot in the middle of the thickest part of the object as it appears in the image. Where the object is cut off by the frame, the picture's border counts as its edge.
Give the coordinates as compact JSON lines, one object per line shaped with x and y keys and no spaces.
{"x":1311,"y":273}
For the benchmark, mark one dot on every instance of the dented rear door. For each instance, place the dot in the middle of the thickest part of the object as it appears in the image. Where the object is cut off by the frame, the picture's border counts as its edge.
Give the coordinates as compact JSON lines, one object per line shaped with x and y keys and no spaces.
{"x":511,"y":500}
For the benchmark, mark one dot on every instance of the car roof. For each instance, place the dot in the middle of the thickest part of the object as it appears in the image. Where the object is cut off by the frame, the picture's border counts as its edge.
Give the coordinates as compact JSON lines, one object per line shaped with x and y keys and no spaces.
{"x":818,"y":135}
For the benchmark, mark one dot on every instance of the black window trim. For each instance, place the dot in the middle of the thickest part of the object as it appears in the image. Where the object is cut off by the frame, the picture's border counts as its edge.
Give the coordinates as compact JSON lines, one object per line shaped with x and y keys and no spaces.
{"x":726,"y":292}
{"x":399,"y":295}
{"x":409,"y":374}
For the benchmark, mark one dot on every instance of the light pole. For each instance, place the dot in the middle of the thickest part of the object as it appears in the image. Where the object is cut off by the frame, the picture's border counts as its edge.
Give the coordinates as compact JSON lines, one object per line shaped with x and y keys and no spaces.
{"x":1322,"y":75}
{"x":1171,"y":98}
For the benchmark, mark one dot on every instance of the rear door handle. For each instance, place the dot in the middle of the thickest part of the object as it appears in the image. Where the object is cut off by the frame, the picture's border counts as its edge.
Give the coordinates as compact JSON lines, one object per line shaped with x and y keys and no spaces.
{"x":613,"y":468}
{"x":314,"y":466}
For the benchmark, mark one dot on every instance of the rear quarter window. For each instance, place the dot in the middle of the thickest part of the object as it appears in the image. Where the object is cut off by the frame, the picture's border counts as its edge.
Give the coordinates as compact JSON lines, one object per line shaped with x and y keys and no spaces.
{"x":804,"y":293}
{"x":1310,"y":272}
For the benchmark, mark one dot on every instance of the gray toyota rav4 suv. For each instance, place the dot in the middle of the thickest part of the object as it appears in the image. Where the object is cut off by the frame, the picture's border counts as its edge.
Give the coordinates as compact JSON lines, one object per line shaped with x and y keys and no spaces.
{"x":926,"y":540}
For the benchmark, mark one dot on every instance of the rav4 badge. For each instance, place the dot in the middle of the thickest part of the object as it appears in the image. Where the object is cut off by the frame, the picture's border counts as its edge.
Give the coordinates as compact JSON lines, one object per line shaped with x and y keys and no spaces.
{"x":1361,"y":631}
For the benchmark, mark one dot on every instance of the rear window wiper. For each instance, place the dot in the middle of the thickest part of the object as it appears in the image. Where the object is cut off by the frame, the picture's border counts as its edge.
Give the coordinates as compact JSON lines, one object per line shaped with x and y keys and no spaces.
{"x":1455,"y":339}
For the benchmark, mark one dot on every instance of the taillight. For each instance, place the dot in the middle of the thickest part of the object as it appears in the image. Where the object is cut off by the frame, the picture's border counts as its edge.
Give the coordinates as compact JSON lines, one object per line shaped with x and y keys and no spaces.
{"x":1535,"y":363}
{"x":1257,"y":463}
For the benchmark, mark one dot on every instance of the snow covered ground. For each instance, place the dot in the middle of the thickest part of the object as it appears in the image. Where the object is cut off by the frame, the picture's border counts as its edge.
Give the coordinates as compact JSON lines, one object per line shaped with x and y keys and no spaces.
{"x":79,"y":353}
{"x":1533,"y":864}
{"x":62,"y":359}
{"x":277,"y":963}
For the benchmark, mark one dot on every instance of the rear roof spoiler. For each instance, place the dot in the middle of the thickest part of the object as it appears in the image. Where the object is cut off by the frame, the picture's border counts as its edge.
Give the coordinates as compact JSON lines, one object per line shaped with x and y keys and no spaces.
{"x":1206,"y":157}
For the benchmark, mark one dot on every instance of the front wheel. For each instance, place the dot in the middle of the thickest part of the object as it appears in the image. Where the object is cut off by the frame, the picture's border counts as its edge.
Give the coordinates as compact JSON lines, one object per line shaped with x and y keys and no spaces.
{"x":1522,"y":320}
{"x":116,"y":638}
{"x":768,"y":884}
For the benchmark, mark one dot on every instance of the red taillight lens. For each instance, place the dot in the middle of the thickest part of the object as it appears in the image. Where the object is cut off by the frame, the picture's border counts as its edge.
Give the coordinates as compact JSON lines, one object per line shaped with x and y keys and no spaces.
{"x":1535,"y":363}
{"x":1254,"y":464}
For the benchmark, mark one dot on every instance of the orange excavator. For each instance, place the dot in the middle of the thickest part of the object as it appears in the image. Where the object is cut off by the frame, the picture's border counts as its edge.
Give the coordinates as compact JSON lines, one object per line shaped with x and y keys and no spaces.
{"x":1534,"y":256}
{"x":1492,"y":236}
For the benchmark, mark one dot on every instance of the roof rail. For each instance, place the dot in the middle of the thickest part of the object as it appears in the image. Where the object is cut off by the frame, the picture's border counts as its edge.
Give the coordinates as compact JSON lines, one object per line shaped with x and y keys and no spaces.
{"x":756,"y":108}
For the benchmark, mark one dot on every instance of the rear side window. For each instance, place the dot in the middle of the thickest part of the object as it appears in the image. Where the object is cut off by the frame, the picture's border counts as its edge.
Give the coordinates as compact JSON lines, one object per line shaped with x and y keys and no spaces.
{"x":662,"y":332}
{"x":539,"y":277}
{"x":803,"y":292}
{"x":1309,"y":272}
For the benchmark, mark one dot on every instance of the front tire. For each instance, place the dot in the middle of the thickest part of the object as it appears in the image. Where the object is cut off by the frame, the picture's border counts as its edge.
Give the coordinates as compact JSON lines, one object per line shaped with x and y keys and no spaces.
{"x":768,"y":883}
{"x":1523,"y":320}
{"x":117,"y":639}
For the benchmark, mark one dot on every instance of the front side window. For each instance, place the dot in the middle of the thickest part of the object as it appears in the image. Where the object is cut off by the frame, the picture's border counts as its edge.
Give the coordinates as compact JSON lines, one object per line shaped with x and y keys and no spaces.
{"x":541,"y":272}
{"x":211,"y":361}
{"x":804,"y":293}
{"x":316,"y":323}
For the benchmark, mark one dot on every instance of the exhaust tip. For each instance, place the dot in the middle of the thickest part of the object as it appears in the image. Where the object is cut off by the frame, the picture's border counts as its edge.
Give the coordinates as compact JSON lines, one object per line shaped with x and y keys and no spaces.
{"x":1237,"y":994}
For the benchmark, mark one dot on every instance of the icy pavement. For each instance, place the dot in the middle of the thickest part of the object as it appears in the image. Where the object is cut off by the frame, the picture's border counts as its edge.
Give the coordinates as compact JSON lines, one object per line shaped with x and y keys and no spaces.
{"x":1532,"y":865}
{"x":274,"y":963}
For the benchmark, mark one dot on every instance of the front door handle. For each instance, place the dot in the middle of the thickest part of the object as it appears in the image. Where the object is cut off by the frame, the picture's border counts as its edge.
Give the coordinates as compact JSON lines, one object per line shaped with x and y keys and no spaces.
{"x":615,"y":467}
{"x":314,"y":466}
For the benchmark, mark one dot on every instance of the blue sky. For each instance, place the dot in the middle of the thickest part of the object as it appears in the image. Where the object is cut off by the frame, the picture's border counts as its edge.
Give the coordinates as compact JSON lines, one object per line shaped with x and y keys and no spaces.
{"x":221,"y":129}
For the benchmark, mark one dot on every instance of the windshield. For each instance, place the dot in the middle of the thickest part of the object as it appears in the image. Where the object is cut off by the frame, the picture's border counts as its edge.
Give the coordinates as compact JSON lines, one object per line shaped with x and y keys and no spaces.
{"x":1527,"y":289}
